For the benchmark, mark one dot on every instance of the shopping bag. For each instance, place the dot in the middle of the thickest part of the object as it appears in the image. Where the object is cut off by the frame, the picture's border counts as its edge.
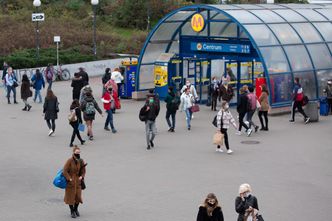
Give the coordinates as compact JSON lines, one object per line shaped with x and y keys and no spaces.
{"x":194,"y":108}
{"x":60,"y":180}
{"x":218,"y":138}
{"x":81,"y":127}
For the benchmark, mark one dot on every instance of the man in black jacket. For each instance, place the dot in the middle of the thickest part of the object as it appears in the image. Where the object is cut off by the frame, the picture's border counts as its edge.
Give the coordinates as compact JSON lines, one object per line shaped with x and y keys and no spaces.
{"x":152,"y":107}
{"x":84,"y":75}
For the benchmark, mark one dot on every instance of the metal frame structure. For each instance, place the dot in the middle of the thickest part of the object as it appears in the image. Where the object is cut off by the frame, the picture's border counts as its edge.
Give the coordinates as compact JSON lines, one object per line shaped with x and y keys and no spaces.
{"x":245,"y":17}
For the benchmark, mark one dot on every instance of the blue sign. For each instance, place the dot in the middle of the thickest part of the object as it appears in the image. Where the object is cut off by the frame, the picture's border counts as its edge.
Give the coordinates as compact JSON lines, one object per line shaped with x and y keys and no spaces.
{"x":219,"y":47}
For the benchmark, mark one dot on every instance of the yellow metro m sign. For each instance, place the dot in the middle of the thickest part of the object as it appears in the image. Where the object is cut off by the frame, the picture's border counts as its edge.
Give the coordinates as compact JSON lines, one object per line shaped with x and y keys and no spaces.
{"x":197,"y":22}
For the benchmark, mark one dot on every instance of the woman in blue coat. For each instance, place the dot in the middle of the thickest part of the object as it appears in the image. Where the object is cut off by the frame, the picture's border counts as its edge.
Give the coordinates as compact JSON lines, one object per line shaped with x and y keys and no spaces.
{"x":38,"y":83}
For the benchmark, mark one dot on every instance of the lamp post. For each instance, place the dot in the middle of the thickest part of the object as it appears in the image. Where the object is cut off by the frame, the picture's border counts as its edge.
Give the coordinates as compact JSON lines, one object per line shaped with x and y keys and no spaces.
{"x":94,"y":4}
{"x":37,"y":4}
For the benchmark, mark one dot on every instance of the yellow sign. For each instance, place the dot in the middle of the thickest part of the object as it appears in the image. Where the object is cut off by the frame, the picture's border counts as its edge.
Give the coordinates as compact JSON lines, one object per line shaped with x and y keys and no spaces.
{"x":160,"y":76}
{"x":197,"y":22}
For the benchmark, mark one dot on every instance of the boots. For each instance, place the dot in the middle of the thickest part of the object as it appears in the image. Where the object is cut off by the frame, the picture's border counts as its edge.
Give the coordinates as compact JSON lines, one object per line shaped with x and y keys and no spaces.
{"x":8,"y":100}
{"x":72,"y":211}
{"x":76,"y":210}
{"x":25,"y":108}
{"x":29,"y":107}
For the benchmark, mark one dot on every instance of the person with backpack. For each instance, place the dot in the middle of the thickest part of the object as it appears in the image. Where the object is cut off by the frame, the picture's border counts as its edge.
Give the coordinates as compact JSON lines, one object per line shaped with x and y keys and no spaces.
{"x":298,"y":97}
{"x":75,"y":118}
{"x":38,"y":83}
{"x":187,"y":101}
{"x":252,"y":106}
{"x":77,"y":84}
{"x":264,"y":102}
{"x":109,"y":104}
{"x":49,"y":73}
{"x":210,"y":210}
{"x":89,"y":107}
{"x":172,"y":105}
{"x":151,"y":111}
{"x":74,"y":171}
{"x":242,"y":109}
{"x":50,"y":110}
{"x":26,"y":92}
{"x":224,"y":119}
{"x":11,"y":84}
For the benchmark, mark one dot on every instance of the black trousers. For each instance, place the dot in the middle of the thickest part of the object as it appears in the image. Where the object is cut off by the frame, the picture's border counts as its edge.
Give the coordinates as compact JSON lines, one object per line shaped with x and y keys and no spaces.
{"x":241,"y":122}
{"x":224,"y":132}
{"x":51,"y":124}
{"x":329,"y":100}
{"x":298,"y":105}
{"x":262,"y":114}
{"x":76,"y":132}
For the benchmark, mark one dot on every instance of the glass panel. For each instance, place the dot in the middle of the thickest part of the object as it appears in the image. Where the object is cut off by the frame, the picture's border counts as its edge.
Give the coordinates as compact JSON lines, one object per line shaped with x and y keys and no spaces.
{"x":146,"y":77}
{"x":307,"y":32}
{"x":290,"y":15}
{"x":268,"y":16}
{"x":225,"y":7}
{"x":275,"y":59}
{"x":311,"y":15}
{"x":272,"y":6}
{"x":325,"y":29}
{"x":181,"y":15}
{"x":221,"y":16}
{"x":281,"y":87}
{"x":262,"y":35}
{"x":224,"y":29}
{"x":308,"y":83}
{"x":243,"y":34}
{"x":152,"y":52}
{"x":285,"y":33}
{"x":165,"y":31}
{"x":243,"y":16}
{"x":326,"y":12}
{"x":322,"y":77}
{"x":330,"y":46}
{"x":249,"y":6}
{"x":174,"y":47}
{"x":298,"y":58}
{"x":320,"y":56}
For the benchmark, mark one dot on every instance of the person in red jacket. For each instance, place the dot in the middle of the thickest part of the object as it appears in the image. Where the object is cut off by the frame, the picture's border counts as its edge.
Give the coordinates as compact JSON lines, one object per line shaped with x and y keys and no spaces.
{"x":109,"y":103}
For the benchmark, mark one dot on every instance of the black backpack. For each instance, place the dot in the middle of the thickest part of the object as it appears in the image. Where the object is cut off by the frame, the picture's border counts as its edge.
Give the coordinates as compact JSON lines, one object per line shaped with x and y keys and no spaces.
{"x":175,"y":103}
{"x":143,"y":114}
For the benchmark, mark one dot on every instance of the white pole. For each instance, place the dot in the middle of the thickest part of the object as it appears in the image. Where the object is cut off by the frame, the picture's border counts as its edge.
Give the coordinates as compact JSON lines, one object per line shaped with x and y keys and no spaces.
{"x":57,"y":55}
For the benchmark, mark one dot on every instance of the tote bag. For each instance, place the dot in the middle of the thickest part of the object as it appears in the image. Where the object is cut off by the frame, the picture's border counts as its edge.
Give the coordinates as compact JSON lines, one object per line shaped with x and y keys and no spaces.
{"x":218,"y":138}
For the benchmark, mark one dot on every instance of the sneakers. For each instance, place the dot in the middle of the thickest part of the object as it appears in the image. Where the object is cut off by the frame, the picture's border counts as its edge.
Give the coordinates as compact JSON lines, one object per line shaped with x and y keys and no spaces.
{"x":50,"y":133}
{"x":292,"y":120}
{"x":307,"y":120}
{"x":82,"y":142}
{"x":114,"y":131}
{"x":29,"y":107}
{"x":238,"y":133}
{"x":91,"y":138}
{"x":151,"y":143}
{"x":219,"y":150}
{"x":148,"y":148}
{"x":107,"y":129}
{"x":249,"y":132}
{"x":229,"y":151}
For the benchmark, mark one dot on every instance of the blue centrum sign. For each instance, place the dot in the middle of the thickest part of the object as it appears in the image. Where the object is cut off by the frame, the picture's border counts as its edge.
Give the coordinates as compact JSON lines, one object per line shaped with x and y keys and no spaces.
{"x":220,"y":47}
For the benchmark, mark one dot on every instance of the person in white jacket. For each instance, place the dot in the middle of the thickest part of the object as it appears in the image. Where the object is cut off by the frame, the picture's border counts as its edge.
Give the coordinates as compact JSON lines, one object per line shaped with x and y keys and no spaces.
{"x":117,"y":77}
{"x":224,"y":119}
{"x":187,"y":101}
{"x":192,"y":89}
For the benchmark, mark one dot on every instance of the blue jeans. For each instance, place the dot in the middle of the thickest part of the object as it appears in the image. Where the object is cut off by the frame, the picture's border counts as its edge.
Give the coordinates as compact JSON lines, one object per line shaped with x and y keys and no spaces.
{"x":9,"y":89}
{"x":37,"y":93}
{"x":188,"y":116}
{"x":109,"y":119}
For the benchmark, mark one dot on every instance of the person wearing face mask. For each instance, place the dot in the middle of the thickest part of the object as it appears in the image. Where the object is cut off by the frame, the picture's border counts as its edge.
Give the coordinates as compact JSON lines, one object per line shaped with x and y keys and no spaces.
{"x":210,"y":210}
{"x":245,"y":203}
{"x":215,"y":91}
{"x":187,"y":101}
{"x":74,"y":172}
{"x":224,"y":119}
{"x":192,"y":89}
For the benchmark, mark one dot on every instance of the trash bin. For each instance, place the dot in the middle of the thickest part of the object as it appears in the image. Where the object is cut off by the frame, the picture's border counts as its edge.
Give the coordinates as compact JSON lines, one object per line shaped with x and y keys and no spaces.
{"x":311,"y":110}
{"x":323,"y":106}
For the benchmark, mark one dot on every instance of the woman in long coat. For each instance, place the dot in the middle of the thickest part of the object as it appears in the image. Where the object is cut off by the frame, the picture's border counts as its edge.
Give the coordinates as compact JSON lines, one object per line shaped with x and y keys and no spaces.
{"x":26,"y":92}
{"x":51,"y":109}
{"x":210,"y":210}
{"x":74,"y":171}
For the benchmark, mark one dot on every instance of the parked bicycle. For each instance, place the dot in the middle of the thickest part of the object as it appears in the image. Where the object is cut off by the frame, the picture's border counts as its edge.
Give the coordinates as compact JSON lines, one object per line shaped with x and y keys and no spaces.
{"x":61,"y":74}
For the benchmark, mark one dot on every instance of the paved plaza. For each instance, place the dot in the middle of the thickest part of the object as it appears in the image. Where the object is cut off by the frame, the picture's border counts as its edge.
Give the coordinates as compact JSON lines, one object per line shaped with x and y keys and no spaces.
{"x":289,"y":169}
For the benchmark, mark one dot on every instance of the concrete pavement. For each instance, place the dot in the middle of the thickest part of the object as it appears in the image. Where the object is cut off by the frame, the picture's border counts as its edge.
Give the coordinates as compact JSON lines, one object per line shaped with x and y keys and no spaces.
{"x":289,"y":170}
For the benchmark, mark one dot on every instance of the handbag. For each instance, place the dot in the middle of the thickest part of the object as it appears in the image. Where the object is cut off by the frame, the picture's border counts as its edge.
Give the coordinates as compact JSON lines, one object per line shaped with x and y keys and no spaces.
{"x":83,"y":186}
{"x":15,"y":84}
{"x":194,"y":108}
{"x":72,"y":116}
{"x":215,"y":122}
{"x":60,"y":180}
{"x":258,"y":105}
{"x":218,"y":138}
{"x":81,"y":127}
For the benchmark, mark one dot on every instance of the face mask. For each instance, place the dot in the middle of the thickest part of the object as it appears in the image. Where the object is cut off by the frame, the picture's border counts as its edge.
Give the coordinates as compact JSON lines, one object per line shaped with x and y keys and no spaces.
{"x":226,"y":107}
{"x":77,"y":156}
{"x":211,"y":204}
{"x":188,"y":84}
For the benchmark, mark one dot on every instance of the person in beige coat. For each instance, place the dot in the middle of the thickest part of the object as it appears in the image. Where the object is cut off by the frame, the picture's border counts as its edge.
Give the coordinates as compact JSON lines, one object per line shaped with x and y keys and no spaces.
{"x":264,"y":102}
{"x":74,"y":171}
